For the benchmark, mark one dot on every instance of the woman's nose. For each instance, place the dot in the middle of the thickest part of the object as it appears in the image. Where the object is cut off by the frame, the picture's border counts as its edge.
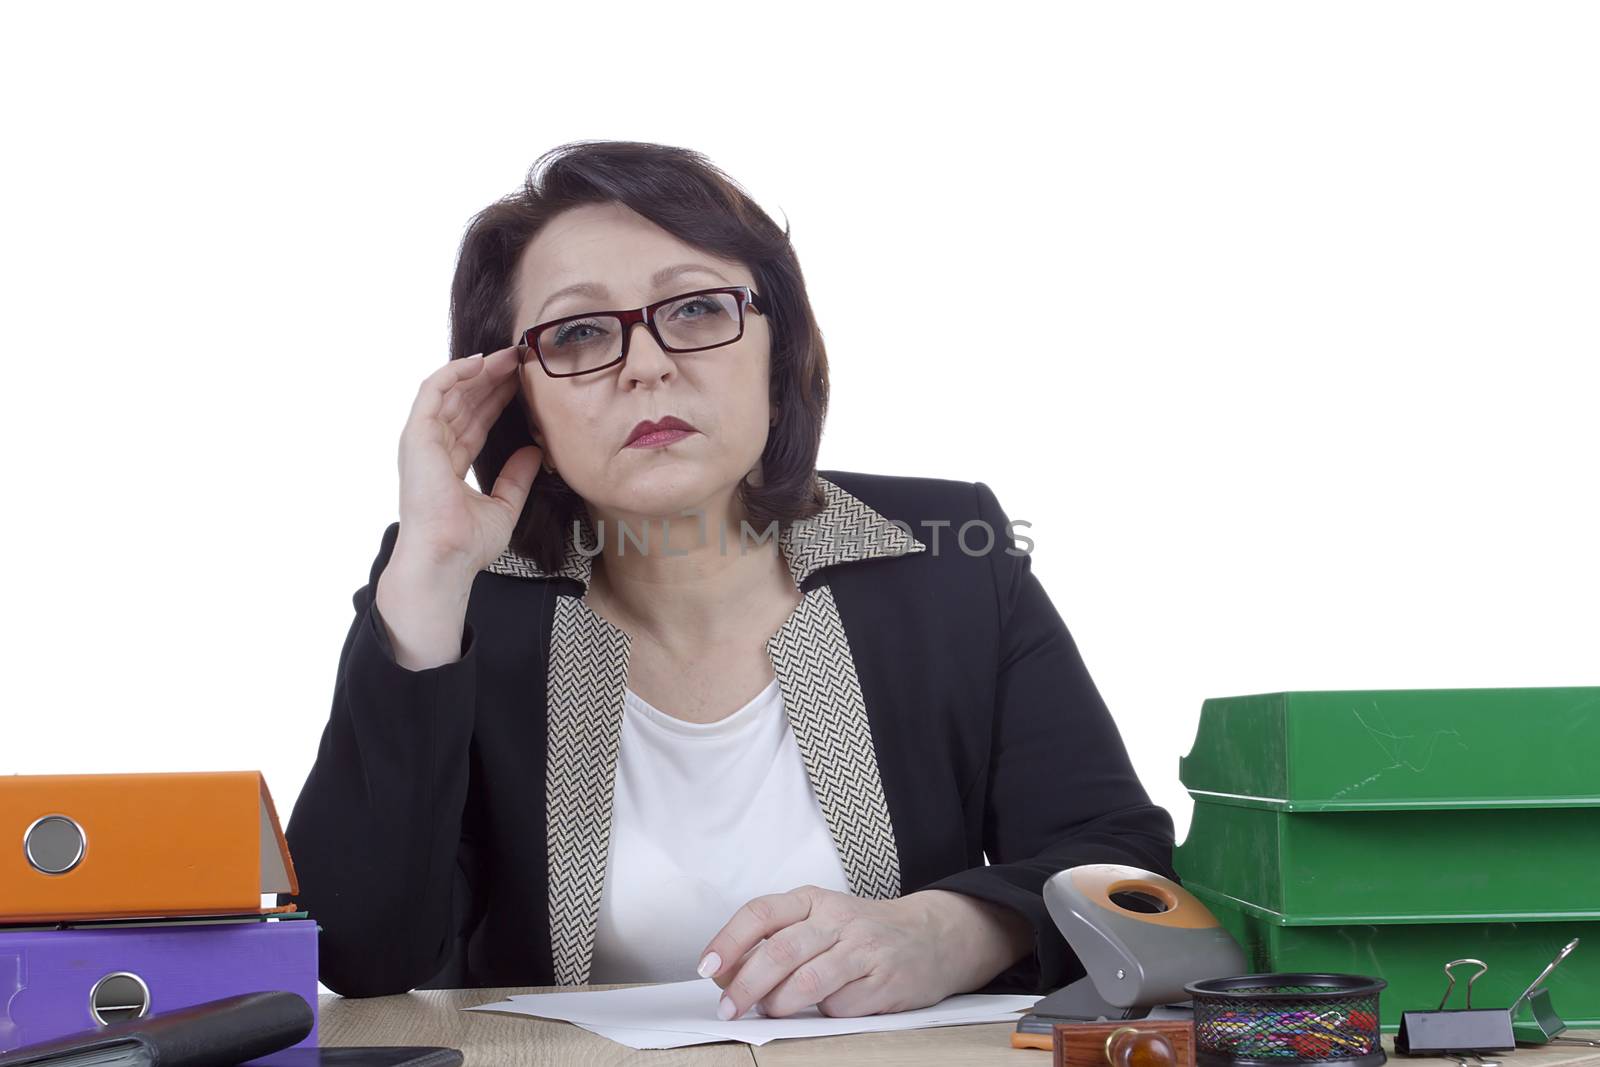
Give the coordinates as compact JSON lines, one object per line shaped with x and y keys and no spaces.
{"x":646,"y":358}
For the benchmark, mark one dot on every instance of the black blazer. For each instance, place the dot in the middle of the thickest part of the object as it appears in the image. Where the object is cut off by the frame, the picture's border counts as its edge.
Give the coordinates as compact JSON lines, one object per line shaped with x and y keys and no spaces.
{"x":452,"y":832}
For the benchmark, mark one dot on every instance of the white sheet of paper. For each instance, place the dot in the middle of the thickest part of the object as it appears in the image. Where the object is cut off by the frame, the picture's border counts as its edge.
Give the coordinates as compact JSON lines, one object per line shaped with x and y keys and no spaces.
{"x":636,"y":1038}
{"x":673,"y":1014}
{"x":649,"y":1039}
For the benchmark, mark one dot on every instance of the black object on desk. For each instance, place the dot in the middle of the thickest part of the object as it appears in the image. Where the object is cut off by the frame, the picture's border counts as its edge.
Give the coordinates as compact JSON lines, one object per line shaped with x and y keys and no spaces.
{"x":215,"y":1033}
{"x":1430,"y":1033}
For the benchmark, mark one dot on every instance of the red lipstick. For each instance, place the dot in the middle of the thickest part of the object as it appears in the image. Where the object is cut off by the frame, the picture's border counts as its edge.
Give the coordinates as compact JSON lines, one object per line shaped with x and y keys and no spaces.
{"x":663,"y":431}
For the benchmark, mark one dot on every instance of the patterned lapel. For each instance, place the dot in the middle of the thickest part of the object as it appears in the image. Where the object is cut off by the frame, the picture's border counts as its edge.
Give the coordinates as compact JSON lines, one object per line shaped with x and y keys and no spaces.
{"x":816,"y":673}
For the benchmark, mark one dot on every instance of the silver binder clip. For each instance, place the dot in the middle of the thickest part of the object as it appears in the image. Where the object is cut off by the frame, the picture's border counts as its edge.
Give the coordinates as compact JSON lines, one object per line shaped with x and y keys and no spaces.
{"x":1546,"y":1023}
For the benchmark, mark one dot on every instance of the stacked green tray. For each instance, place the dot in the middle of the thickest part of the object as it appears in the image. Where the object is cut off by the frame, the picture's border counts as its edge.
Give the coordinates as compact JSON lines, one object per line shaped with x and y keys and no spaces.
{"x":1386,"y":832}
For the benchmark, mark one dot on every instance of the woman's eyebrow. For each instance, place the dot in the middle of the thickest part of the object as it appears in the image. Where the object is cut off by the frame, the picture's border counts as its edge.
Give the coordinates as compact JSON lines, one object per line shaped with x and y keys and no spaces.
{"x":659,"y":278}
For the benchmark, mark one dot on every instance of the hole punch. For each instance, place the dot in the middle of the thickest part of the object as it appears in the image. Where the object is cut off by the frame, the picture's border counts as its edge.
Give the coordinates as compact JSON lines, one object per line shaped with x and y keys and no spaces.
{"x":1141,"y":902}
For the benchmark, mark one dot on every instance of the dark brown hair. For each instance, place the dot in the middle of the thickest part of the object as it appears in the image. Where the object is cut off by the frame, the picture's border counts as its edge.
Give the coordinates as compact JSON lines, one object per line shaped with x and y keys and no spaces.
{"x":686,"y":195}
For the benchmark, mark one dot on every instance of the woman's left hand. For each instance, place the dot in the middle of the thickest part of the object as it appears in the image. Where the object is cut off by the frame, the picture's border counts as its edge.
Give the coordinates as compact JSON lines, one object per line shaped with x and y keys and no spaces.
{"x":852,"y":956}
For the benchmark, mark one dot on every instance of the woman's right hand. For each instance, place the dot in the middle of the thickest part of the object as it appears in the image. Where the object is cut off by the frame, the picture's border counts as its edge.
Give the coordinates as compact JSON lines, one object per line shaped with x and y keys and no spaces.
{"x":446,"y":526}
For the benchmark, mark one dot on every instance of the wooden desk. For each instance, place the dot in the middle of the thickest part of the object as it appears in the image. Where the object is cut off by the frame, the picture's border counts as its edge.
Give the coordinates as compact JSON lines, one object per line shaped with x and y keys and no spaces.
{"x":434,"y":1017}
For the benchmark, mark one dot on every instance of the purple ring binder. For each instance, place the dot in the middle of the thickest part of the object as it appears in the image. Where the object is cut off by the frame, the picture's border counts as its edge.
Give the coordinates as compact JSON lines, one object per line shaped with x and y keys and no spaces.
{"x":47,"y":976}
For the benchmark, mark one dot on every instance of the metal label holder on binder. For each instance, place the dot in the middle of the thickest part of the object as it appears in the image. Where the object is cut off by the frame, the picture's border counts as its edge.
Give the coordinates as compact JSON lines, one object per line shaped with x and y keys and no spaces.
{"x":1469,"y":1030}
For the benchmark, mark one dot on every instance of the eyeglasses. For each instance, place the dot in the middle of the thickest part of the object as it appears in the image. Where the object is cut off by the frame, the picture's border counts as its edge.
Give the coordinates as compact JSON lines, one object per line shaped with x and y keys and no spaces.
{"x":689,"y":322}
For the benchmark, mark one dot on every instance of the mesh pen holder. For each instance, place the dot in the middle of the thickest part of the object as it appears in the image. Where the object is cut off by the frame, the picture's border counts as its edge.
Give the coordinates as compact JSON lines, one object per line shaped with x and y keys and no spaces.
{"x":1269,"y":1020}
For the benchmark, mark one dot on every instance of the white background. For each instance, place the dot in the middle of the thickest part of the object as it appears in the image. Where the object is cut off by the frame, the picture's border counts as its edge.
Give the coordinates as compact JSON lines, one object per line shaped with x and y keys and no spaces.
{"x":1277,"y":322}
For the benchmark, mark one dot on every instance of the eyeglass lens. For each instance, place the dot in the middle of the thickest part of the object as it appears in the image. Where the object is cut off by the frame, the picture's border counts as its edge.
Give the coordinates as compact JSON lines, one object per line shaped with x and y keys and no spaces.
{"x":593,"y":341}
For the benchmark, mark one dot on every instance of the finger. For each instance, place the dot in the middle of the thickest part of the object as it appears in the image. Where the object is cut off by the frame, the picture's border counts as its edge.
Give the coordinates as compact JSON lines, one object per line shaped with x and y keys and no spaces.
{"x":516,"y":478}
{"x":467,"y":442}
{"x":431,"y":393}
{"x":461,"y":459}
{"x":472,"y":435}
{"x":434,"y":388}
{"x":463,"y":397}
{"x":465,"y":439}
{"x":792,"y":970}
{"x":759,"y":917}
{"x":724,"y":975}
{"x":425,"y":453}
{"x":465,"y":450}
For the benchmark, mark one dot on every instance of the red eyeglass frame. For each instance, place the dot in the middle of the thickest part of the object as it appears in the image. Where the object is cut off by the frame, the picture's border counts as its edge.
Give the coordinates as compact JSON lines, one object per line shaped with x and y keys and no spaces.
{"x":748,"y":298}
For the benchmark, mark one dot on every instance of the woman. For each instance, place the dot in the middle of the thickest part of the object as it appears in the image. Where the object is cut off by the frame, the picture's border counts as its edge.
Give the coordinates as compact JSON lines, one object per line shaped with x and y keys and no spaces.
{"x":668,"y":700}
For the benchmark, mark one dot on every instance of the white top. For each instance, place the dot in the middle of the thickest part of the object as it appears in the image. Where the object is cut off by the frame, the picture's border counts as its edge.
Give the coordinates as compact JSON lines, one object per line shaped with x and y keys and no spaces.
{"x":705,"y":817}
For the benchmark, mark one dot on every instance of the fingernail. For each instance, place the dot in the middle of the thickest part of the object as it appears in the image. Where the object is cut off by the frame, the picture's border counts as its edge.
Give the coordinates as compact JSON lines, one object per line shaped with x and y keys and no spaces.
{"x":724,"y":1009}
{"x":709,"y":965}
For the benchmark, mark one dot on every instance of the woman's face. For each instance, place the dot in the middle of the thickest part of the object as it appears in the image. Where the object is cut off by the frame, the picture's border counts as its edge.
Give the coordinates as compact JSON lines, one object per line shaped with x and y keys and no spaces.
{"x":583,"y":422}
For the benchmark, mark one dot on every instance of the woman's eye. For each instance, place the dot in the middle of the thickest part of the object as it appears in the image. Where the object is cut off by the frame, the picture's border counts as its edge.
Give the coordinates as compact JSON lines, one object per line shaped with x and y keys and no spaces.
{"x":699,"y":307}
{"x":565,"y":334}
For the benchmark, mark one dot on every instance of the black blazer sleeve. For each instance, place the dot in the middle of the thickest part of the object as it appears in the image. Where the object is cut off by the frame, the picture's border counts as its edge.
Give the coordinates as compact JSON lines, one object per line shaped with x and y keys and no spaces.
{"x":376,"y":828}
{"x":1061,"y":790}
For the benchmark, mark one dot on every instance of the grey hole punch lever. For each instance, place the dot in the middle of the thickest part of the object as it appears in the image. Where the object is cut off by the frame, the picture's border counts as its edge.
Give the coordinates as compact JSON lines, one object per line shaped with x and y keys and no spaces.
{"x":1141,"y":938}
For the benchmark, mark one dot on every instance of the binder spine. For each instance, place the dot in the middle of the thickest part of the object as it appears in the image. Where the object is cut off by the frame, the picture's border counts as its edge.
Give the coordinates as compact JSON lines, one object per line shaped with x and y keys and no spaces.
{"x":59,"y":982}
